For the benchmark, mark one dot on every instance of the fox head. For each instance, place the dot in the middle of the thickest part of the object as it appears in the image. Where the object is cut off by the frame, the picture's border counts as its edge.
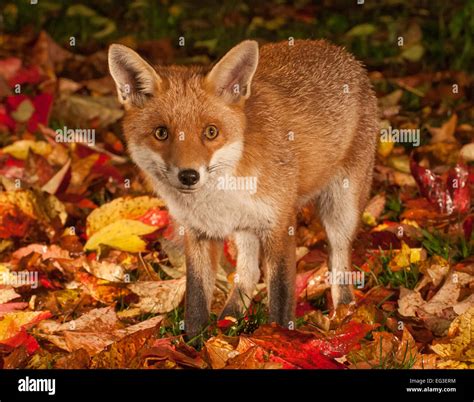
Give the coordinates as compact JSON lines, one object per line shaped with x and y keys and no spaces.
{"x":184,"y":125}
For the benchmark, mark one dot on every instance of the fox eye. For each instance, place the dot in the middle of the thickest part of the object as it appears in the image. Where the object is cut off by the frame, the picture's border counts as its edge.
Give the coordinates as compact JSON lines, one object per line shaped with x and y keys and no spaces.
{"x":161,"y":133}
{"x":211,"y":132}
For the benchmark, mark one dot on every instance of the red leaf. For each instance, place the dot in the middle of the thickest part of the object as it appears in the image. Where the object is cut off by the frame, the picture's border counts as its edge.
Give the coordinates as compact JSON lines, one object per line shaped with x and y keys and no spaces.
{"x":307,"y":350}
{"x":155,"y":217}
{"x":449,"y":196}
{"x":22,"y":338}
{"x":14,"y":223}
{"x":11,"y":167}
{"x":42,"y":104}
{"x":224,"y":324}
{"x":25,"y":75}
{"x":458,"y":188}
{"x":467,"y":227}
{"x":302,"y":308}
{"x":5,"y":118}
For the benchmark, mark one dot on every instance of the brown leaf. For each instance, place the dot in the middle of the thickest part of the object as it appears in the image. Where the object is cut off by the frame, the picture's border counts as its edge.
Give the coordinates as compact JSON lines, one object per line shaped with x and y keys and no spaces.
{"x":445,"y":133}
{"x":78,"y":359}
{"x":219,"y":352}
{"x":16,"y":359}
{"x":126,"y":352}
{"x":164,"y":351}
{"x":158,"y":297}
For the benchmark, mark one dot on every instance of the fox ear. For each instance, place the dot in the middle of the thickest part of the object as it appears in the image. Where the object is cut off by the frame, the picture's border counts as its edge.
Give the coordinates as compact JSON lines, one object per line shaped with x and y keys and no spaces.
{"x":134,"y":77}
{"x":232,"y":75}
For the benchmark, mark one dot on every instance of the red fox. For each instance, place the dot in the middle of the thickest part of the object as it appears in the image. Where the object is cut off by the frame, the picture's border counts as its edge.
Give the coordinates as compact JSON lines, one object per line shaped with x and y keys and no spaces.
{"x":237,"y":149}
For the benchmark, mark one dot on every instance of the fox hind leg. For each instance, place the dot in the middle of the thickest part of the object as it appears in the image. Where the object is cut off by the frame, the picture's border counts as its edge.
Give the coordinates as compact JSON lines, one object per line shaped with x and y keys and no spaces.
{"x":339,"y":207}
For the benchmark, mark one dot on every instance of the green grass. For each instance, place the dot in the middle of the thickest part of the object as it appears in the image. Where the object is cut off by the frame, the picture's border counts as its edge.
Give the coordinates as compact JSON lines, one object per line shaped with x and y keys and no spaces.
{"x":254,"y":316}
{"x":172,"y":324}
{"x":406,"y":277}
{"x":450,"y":248}
{"x":393,"y":207}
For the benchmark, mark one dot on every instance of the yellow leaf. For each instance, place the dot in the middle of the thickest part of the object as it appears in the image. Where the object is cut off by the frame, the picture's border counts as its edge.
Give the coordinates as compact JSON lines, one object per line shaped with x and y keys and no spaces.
{"x":385,"y":148}
{"x":410,"y":223}
{"x":406,"y":256}
{"x":368,"y":219}
{"x":11,"y":323}
{"x":400,"y":163}
{"x":123,"y":235}
{"x":120,"y":208}
{"x":38,"y":205}
{"x":459,"y":344}
{"x":20,"y":149}
{"x":413,"y":53}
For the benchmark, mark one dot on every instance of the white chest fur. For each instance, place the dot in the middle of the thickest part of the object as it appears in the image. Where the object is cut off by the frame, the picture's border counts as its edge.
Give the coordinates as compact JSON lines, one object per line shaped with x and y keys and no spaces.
{"x":218,"y":213}
{"x":215,"y":210}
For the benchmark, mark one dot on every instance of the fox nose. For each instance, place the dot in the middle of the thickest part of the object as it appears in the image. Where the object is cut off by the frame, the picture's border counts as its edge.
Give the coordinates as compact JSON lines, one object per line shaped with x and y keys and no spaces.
{"x":188,"y":177}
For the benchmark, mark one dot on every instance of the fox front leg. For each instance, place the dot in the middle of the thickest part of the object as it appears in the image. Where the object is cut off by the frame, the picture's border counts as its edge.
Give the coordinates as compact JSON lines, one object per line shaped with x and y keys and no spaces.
{"x":279,"y":251}
{"x":247,"y":274}
{"x":202,"y":257}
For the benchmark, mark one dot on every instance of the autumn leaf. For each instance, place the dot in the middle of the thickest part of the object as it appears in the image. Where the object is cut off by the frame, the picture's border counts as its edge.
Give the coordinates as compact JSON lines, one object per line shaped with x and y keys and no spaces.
{"x":121,"y":208}
{"x":29,"y":206}
{"x":126,"y":353}
{"x":457,"y":349}
{"x":105,"y":291}
{"x":158,"y":296}
{"x":121,"y":235}
{"x":445,"y":133}
{"x":305,"y":350}
{"x":13,"y":328}
{"x":169,"y":355}
{"x":93,"y":331}
{"x":219,"y":351}
{"x":374,"y":209}
{"x":448,"y":195}
{"x":406,"y":256}
{"x":438,"y":312}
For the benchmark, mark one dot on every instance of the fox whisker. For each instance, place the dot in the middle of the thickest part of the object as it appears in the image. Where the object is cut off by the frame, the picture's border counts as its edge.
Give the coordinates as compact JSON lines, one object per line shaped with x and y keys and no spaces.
{"x":218,"y":166}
